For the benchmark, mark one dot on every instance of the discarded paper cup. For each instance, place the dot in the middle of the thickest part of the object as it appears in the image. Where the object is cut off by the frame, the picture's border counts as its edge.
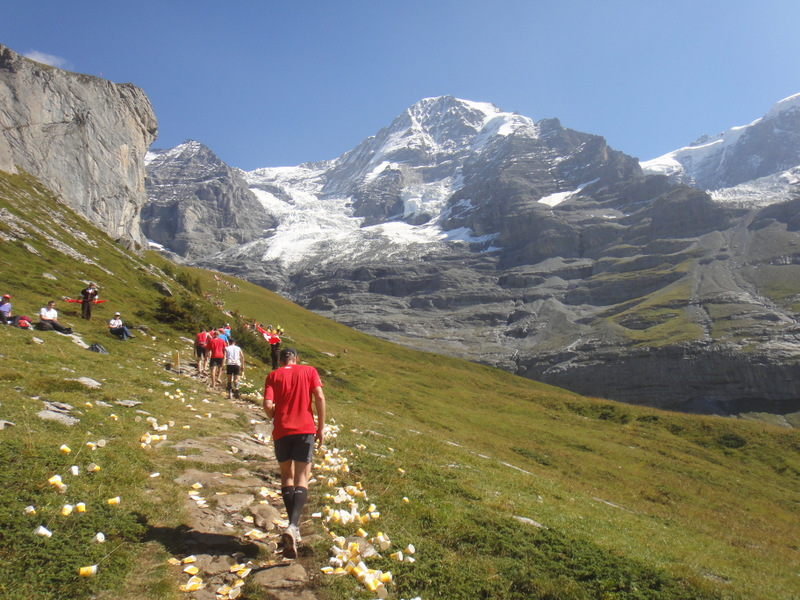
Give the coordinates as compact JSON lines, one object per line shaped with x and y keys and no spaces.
{"x":113,"y":501}
{"x":80,"y":507}
{"x":75,"y":470}
{"x":54,"y":480}
{"x":43,"y":531}
{"x":93,"y":468}
{"x":99,"y":537}
{"x":89,"y":571}
{"x":65,"y":449}
{"x":30,"y":510}
{"x":66,"y":510}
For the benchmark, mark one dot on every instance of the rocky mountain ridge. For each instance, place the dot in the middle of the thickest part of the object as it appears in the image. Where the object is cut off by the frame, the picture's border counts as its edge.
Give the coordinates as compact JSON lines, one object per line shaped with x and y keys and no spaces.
{"x":464,"y":229}
{"x":83,"y":137}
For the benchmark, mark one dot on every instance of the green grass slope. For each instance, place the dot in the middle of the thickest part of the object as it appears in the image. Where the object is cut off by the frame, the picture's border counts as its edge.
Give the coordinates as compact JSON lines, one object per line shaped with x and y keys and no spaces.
{"x":507,"y":488}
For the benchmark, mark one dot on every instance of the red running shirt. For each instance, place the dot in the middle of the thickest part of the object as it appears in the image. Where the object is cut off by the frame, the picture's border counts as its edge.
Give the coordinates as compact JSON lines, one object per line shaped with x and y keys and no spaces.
{"x":217,"y":347}
{"x":290,"y":389}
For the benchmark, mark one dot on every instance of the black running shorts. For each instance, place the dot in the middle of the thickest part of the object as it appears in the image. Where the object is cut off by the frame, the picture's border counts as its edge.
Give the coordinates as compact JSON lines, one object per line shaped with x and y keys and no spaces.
{"x":299,"y":447}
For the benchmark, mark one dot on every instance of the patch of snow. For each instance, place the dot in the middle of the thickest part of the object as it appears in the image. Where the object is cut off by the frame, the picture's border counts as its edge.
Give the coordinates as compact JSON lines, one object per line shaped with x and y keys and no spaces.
{"x":555,"y":199}
{"x":373,"y":174}
{"x":428,"y":197}
{"x":559,"y":197}
{"x":773,"y":189}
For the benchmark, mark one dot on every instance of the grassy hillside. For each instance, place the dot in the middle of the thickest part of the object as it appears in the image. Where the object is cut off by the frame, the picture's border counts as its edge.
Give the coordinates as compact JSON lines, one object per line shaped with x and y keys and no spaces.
{"x":507,"y":488}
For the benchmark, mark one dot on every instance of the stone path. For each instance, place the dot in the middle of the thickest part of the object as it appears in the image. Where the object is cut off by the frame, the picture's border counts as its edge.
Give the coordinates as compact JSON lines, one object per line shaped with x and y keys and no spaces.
{"x":234,"y":518}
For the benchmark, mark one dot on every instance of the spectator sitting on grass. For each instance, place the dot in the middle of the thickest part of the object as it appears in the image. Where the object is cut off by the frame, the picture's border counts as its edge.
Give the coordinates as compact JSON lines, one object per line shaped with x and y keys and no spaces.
{"x":48,"y":319}
{"x":5,"y":311}
{"x":116,"y":327}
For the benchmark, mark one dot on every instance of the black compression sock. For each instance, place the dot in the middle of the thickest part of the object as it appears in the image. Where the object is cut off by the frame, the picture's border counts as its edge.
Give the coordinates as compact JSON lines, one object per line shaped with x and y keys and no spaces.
{"x":298,"y":502}
{"x":288,"y":498}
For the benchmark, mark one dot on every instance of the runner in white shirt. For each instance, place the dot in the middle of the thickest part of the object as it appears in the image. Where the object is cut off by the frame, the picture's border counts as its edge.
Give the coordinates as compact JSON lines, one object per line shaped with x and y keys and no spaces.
{"x":234,"y":360}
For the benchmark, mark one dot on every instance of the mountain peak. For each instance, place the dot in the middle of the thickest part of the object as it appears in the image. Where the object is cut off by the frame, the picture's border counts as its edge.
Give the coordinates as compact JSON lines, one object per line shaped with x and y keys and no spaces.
{"x":727,"y":159}
{"x":787,"y":104}
{"x":185,"y":150}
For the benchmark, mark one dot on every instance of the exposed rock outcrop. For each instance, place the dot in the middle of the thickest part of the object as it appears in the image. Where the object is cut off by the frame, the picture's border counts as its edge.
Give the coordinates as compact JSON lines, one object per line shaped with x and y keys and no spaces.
{"x":84,"y":137}
{"x":208,"y":207}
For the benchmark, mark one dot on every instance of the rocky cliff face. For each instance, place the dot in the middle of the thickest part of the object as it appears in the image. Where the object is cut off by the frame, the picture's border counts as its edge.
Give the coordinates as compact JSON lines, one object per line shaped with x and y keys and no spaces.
{"x":208,"y":207}
{"x":82,"y":136}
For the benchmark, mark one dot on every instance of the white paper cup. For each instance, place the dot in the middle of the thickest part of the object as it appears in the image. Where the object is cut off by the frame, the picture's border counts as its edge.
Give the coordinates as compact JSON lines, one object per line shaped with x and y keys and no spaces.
{"x":43,"y":531}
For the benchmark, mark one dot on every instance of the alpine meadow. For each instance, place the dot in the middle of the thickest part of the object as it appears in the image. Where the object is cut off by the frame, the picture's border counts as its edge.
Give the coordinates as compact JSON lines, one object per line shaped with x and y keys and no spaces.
{"x":506,"y":487}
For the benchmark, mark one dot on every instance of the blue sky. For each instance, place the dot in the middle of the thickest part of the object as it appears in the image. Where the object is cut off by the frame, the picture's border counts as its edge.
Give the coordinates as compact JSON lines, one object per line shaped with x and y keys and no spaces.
{"x":278,"y":83}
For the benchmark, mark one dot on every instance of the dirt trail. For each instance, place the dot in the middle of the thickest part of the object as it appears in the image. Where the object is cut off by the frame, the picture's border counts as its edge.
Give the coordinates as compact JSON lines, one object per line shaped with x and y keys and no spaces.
{"x":234,"y":518}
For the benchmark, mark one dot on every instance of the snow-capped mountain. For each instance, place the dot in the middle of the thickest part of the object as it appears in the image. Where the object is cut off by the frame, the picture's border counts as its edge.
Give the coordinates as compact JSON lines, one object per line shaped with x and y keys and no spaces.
{"x":390,"y":191}
{"x":765,"y":148}
{"x":464,"y":229}
{"x":419,"y":185}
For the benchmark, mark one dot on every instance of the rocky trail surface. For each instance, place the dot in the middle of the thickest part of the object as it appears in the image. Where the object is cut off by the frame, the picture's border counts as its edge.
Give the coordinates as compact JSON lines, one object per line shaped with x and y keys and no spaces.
{"x":234,"y":518}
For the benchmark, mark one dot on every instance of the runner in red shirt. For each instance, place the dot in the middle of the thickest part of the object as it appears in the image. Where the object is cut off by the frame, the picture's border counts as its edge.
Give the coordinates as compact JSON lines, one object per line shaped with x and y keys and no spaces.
{"x":201,"y":350}
{"x":216,"y":352}
{"x":287,"y":400}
